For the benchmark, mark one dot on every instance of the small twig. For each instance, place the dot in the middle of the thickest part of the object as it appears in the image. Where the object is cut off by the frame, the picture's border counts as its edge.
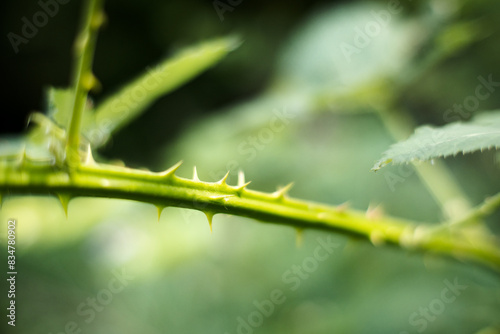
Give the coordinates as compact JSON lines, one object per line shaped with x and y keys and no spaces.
{"x":83,"y":78}
{"x":481,"y":211}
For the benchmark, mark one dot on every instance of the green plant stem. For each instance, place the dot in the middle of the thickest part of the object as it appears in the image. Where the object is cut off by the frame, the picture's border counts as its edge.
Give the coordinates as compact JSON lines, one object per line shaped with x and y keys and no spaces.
{"x":479,"y":212}
{"x":83,"y":79}
{"x":166,"y":189}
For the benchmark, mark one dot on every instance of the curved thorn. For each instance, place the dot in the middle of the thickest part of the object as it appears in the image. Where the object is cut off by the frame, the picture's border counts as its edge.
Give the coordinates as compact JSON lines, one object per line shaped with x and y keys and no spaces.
{"x":30,"y":118}
{"x":171,"y":171}
{"x":89,"y":160}
{"x":374,"y":212}
{"x":281,"y":193}
{"x":342,"y":207}
{"x":210,"y":216}
{"x":224,"y":179}
{"x":195,"y":175}
{"x":160,"y":210}
{"x":239,"y":188}
{"x":64,"y":199}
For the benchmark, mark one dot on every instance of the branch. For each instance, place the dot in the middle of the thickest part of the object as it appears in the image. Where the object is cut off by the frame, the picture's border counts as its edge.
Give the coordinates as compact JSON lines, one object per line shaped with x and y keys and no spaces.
{"x":83,"y":78}
{"x":166,"y":189}
{"x":481,"y":211}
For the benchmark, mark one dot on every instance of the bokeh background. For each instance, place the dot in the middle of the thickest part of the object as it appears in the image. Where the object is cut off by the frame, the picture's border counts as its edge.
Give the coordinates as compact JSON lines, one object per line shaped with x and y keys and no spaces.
{"x":293,"y":63}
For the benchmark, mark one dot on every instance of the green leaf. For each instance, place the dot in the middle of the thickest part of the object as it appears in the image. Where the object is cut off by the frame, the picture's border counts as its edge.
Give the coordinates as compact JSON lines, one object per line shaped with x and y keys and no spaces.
{"x":60,"y":105}
{"x":324,"y":53}
{"x":482,"y":132}
{"x":136,"y":96}
{"x":60,"y":108}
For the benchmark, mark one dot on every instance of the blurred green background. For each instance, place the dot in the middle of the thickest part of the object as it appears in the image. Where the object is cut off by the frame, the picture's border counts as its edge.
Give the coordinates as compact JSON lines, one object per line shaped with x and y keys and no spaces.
{"x":293,"y":63}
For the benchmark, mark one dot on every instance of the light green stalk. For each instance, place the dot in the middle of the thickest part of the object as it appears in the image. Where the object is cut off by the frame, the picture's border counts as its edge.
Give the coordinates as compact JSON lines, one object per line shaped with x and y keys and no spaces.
{"x":167,"y":189}
{"x":83,"y":78}
{"x":437,"y":178}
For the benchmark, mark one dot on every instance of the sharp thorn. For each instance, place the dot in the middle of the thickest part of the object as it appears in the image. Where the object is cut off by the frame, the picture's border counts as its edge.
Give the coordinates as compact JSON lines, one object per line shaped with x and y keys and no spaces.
{"x":89,"y":160}
{"x":242,"y":186}
{"x":342,"y":207}
{"x":171,"y":171}
{"x":374,"y":212}
{"x":160,"y":210}
{"x":281,"y":193}
{"x":31,"y":118}
{"x":1,"y":200}
{"x":210,"y":216}
{"x":195,"y":175}
{"x":224,"y":179}
{"x":64,"y":199}
{"x":241,"y":178}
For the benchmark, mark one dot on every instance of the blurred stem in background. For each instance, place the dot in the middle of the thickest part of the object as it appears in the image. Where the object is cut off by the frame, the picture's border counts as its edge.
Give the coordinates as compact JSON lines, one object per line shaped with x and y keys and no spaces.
{"x":437,"y":178}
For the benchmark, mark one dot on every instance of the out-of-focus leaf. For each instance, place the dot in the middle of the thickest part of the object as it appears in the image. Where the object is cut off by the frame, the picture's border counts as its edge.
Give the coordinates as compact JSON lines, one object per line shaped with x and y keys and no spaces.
{"x":60,"y":108}
{"x":482,"y":132}
{"x":60,"y":105}
{"x":11,"y":146}
{"x":136,"y":96}
{"x":349,"y":45}
{"x":457,"y":36}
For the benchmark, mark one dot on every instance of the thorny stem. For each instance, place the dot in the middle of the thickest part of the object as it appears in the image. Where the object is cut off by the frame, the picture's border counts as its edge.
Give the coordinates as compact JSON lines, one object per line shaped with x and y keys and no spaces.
{"x":166,"y":189}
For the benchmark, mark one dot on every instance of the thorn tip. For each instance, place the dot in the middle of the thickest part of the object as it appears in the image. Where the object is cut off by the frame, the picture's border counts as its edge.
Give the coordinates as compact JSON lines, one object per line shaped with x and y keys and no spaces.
{"x":224,"y":179}
{"x":374,"y":212}
{"x":281,"y":193}
{"x":64,"y":199}
{"x":171,"y":171}
{"x":160,"y":210}
{"x":243,"y":186}
{"x":342,"y":207}
{"x":195,"y":175}
{"x":89,"y":160}
{"x":210,"y":216}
